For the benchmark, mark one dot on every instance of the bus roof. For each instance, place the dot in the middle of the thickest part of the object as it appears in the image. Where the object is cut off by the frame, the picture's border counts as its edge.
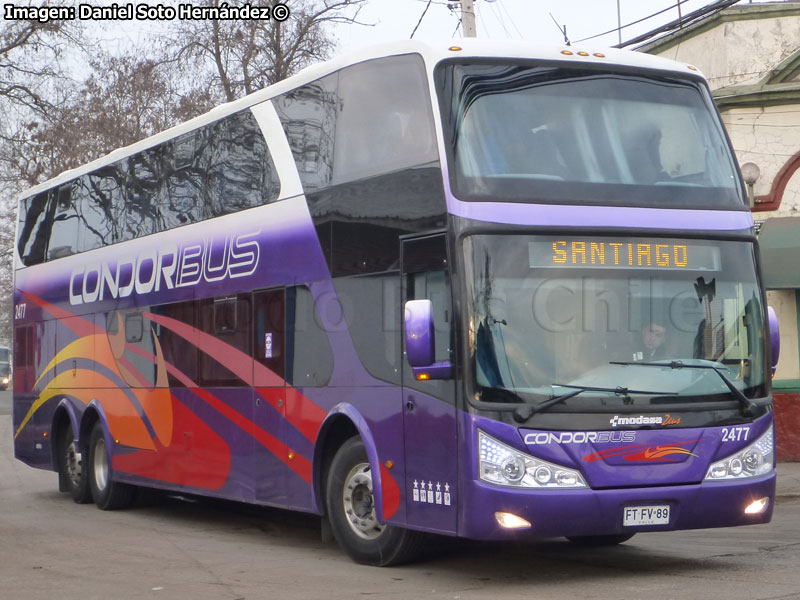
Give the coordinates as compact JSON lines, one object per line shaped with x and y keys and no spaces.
{"x":432,"y":53}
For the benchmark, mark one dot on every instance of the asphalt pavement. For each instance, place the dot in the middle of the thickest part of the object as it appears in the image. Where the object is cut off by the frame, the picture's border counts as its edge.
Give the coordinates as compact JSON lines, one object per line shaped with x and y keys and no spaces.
{"x":789,"y":479}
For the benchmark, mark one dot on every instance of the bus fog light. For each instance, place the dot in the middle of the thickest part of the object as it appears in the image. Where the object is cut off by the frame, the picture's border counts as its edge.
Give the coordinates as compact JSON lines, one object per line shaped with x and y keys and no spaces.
{"x":757,"y":507}
{"x":510,"y":521}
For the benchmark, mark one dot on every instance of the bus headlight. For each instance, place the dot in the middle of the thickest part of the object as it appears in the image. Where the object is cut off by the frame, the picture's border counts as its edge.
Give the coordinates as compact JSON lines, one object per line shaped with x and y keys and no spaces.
{"x":756,"y":459}
{"x":502,"y":465}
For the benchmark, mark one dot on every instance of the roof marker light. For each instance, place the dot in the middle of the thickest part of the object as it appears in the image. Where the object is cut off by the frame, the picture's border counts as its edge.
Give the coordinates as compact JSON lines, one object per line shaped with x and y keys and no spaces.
{"x":692,"y":68}
{"x":599,"y":55}
{"x":567,"y":52}
{"x":455,"y":48}
{"x":582,"y":53}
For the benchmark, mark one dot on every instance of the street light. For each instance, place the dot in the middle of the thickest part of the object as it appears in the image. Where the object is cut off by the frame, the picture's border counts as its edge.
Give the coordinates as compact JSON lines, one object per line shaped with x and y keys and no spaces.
{"x":750,"y":174}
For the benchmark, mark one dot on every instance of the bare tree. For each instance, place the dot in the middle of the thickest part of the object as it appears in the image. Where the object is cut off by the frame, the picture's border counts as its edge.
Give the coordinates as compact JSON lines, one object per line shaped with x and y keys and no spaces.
{"x":123,"y":100}
{"x":239,"y":57}
{"x":32,"y":82}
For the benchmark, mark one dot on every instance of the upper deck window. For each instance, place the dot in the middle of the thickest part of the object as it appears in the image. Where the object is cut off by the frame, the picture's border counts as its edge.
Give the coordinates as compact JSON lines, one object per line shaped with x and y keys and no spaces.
{"x":532,"y":133}
{"x":221,"y":168}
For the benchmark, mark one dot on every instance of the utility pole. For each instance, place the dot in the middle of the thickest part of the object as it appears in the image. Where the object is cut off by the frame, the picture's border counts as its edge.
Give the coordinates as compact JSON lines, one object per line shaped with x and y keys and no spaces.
{"x":468,"y":18}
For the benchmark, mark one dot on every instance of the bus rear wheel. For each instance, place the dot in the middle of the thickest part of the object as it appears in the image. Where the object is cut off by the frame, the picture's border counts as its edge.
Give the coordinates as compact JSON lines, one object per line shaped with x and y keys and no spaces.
{"x":351,"y":511}
{"x":106,"y":493}
{"x":72,"y":469}
{"x":600,"y":540}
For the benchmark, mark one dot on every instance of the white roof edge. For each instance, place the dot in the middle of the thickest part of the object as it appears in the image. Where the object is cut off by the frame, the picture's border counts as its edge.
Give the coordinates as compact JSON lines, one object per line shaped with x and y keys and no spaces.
{"x":432,"y":52}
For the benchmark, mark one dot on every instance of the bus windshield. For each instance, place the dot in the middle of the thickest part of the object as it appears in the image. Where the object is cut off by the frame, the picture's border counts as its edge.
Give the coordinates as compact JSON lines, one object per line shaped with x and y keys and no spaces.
{"x":549,"y":315}
{"x":553,"y":134}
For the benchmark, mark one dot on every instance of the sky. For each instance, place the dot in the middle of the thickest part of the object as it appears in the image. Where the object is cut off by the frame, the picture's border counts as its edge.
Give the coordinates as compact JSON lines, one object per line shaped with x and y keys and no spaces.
{"x":531,"y":20}
{"x":512,"y":19}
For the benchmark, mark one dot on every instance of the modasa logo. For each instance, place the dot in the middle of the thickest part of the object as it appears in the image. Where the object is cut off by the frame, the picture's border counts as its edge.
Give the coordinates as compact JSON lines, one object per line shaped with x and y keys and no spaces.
{"x":664,"y":421}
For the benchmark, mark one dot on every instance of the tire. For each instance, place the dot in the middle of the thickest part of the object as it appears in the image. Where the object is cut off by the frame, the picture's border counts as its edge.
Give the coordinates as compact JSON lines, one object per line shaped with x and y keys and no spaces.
{"x":106,"y":493}
{"x":72,"y":468}
{"x":351,"y":512}
{"x":596,"y":541}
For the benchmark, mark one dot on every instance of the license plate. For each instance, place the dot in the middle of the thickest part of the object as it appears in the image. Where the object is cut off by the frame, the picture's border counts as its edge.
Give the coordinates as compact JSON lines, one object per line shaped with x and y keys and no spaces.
{"x":646,"y":515}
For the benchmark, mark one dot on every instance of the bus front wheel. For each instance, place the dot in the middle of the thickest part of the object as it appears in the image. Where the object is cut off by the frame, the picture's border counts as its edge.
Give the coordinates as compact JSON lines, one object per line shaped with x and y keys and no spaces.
{"x":72,"y":469}
{"x":351,"y":511}
{"x":106,"y":493}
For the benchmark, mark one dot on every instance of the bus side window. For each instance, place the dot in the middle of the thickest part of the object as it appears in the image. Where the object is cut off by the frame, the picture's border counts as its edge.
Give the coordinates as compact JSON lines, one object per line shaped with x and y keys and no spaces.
{"x":386,"y":122}
{"x":145,"y":183}
{"x":102,"y":206}
{"x":309,"y":357}
{"x":33,"y":229}
{"x":182,"y":202}
{"x":240,"y":171}
{"x":227,"y":319}
{"x":425,"y":268}
{"x":66,"y":224}
{"x":269,"y":327}
{"x":23,"y":359}
{"x":178,"y":352}
{"x":308,"y":115}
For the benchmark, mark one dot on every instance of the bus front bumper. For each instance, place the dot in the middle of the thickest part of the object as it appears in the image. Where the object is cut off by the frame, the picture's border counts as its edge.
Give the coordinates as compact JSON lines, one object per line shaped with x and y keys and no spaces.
{"x":555,"y":513}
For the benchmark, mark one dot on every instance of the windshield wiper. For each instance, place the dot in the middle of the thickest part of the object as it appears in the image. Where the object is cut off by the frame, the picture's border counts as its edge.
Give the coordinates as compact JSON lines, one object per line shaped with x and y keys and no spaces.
{"x":745,"y":403}
{"x":524,"y":413}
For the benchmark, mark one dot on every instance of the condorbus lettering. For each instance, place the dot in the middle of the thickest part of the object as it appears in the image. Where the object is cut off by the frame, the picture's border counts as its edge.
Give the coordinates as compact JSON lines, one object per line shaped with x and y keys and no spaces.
{"x":207,"y":260}
{"x":245,"y":253}
{"x":91,"y":276}
{"x":146,"y":272}
{"x":579,"y":437}
{"x":216,"y":260}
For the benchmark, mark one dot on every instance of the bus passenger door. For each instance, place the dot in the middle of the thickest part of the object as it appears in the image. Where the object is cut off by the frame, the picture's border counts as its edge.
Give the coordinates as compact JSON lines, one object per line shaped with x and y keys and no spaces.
{"x":271,"y":454}
{"x":431,"y":450}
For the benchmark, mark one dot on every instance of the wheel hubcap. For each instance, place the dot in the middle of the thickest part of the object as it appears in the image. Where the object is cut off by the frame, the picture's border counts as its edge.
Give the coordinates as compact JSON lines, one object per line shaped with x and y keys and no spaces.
{"x":359,"y":503}
{"x":100,"y":465}
{"x":74,"y":464}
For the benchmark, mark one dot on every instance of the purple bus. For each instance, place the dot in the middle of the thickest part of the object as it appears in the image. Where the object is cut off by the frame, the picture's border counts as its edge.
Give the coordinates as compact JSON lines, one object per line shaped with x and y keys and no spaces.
{"x":497,"y":291}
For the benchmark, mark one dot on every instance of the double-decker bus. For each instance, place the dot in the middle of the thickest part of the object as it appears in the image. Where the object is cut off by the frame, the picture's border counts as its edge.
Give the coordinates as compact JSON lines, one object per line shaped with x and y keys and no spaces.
{"x":498,"y":291}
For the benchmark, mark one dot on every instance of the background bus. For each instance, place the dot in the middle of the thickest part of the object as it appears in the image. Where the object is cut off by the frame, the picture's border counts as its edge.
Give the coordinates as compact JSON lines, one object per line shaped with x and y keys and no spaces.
{"x":5,"y":367}
{"x":417,"y":290}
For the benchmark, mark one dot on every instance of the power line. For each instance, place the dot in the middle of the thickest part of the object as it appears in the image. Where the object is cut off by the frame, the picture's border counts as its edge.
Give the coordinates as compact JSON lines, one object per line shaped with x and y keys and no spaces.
{"x":513,"y":23}
{"x":456,"y":29}
{"x":591,"y":37}
{"x":422,"y":16}
{"x":709,"y":9}
{"x":500,"y":20}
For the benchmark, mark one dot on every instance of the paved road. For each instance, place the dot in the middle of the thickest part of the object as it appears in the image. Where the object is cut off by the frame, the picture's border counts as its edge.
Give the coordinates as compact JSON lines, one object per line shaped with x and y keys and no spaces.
{"x":53,"y":548}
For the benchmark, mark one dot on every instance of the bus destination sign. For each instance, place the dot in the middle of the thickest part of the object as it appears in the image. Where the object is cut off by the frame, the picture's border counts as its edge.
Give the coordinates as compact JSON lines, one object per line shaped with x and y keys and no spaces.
{"x":623,"y":253}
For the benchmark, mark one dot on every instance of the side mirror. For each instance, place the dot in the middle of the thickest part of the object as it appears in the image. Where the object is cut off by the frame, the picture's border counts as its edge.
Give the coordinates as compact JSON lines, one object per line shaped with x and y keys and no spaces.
{"x":421,"y":342}
{"x":774,"y":337}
